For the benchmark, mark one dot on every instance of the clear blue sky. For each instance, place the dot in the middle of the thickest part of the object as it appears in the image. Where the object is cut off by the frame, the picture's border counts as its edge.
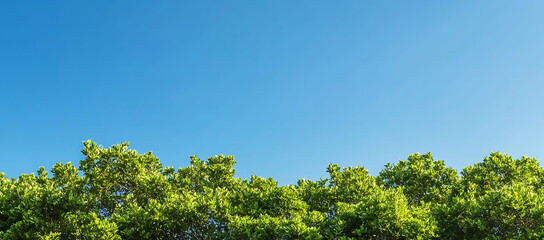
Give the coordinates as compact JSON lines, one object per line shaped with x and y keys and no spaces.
{"x":285,"y":86}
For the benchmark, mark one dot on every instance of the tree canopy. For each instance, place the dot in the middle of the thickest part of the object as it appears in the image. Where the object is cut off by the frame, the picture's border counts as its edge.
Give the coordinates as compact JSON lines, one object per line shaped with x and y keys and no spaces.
{"x":117,"y":193}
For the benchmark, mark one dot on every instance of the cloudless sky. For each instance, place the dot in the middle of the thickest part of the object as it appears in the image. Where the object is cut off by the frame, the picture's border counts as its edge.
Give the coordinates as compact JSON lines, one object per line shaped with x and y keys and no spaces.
{"x":287,"y":87}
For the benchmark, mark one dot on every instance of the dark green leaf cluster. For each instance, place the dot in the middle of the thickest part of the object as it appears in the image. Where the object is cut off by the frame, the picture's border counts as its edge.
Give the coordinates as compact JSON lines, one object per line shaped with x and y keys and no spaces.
{"x":117,"y":193}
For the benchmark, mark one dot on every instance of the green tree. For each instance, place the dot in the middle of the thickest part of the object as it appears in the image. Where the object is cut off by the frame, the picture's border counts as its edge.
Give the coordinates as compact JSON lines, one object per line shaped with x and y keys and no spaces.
{"x":117,"y":193}
{"x":422,"y":178}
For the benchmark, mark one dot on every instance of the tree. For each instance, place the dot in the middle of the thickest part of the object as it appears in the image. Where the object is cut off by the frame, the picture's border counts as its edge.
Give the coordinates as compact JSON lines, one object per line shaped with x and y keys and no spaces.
{"x":423,"y":179}
{"x":117,"y":193}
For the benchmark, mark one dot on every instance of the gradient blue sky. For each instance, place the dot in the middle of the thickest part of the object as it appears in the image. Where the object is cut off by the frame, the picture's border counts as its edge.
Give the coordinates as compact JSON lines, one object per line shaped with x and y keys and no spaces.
{"x":285,"y":86}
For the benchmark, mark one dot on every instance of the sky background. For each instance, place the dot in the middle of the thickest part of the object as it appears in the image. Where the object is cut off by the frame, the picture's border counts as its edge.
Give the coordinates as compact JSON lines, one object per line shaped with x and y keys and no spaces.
{"x":287,"y":87}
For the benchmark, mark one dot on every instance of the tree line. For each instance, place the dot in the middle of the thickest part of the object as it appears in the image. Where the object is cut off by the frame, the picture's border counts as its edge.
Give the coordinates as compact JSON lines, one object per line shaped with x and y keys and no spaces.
{"x":117,"y":193}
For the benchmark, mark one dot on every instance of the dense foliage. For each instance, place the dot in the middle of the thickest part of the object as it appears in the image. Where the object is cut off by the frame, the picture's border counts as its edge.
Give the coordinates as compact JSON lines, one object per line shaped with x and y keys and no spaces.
{"x":117,"y":193}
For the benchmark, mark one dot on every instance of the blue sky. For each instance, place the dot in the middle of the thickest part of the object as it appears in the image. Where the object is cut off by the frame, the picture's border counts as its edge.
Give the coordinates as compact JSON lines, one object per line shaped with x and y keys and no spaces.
{"x":285,"y":86}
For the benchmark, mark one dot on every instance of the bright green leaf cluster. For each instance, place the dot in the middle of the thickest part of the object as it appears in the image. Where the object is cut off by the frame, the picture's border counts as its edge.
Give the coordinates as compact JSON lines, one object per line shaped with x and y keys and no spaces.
{"x":117,"y":193}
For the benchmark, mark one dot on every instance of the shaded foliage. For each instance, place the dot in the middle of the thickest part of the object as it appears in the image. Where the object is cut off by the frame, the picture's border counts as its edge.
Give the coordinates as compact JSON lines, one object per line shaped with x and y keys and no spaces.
{"x":117,"y":193}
